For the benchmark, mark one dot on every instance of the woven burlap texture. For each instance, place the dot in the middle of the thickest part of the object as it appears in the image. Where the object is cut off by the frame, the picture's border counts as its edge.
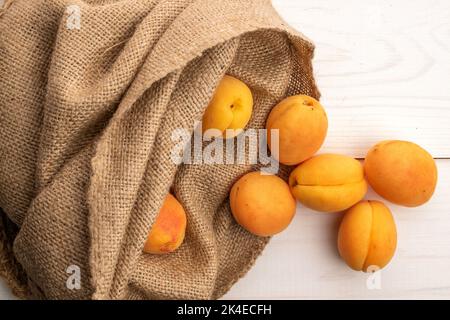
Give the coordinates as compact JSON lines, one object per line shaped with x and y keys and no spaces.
{"x":87,"y":116}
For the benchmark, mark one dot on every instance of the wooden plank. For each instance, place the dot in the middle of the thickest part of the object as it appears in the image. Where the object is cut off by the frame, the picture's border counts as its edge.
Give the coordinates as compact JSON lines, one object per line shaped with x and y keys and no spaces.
{"x":303,"y":262}
{"x":383,"y":70}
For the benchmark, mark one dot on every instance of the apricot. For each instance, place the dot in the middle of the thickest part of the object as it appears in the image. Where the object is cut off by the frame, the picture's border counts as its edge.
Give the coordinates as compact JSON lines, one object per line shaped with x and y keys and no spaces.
{"x":167,"y":233}
{"x":328,"y":182}
{"x":302,"y":124}
{"x":367,"y":236}
{"x":230,"y":109}
{"x":262,"y":204}
{"x":401,"y":172}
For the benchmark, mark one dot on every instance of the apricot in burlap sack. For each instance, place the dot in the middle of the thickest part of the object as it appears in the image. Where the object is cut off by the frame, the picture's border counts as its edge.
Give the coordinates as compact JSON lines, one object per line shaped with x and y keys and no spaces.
{"x":87,"y":116}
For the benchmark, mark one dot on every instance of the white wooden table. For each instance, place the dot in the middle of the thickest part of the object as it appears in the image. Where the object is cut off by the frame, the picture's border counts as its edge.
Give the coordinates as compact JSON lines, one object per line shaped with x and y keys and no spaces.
{"x":383,"y":68}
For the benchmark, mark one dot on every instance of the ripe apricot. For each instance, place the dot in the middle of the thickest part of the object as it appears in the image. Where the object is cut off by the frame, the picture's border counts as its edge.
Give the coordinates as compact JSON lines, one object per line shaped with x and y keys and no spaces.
{"x":302,"y":124}
{"x":262,"y":204}
{"x":167,"y":233}
{"x":328,"y":182}
{"x":367,"y":236}
{"x":401,"y":172}
{"x":229,"y":110}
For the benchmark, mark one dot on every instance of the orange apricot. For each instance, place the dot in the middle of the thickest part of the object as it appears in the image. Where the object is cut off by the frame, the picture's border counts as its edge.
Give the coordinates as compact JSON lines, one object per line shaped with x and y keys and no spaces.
{"x":401,"y":172}
{"x":262,"y":204}
{"x":367,"y":236}
{"x":302,"y":125}
{"x":167,"y":233}
{"x":328,"y":182}
{"x":229,"y":110}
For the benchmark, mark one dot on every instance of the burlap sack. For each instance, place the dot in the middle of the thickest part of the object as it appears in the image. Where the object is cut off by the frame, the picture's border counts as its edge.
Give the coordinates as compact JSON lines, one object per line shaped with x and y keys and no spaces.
{"x":86,"y":121}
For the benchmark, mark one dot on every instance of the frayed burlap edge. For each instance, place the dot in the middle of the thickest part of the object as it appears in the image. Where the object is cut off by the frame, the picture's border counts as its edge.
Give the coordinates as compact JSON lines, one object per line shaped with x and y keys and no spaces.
{"x":10,"y":269}
{"x":256,"y":252}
